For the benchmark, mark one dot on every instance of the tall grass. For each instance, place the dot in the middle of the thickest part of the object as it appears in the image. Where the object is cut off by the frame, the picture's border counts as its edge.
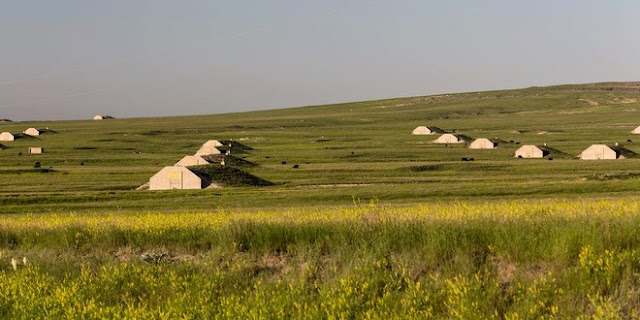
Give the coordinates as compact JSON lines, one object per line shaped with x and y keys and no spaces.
{"x":464,"y":260}
{"x":520,"y":230}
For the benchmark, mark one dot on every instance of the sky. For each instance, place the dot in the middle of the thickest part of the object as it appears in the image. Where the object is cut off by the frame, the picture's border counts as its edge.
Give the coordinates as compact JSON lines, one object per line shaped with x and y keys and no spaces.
{"x":72,"y":59}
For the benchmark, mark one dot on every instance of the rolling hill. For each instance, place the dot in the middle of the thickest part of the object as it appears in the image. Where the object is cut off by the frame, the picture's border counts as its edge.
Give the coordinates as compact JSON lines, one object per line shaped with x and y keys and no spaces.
{"x":345,"y":152}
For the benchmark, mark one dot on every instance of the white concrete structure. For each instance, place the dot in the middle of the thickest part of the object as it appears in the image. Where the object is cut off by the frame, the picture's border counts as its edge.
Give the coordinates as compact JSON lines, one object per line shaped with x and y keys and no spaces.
{"x":189,"y":161}
{"x":598,"y":152}
{"x":448,"y":138}
{"x":170,"y":178}
{"x":36,"y":150}
{"x":32,"y":132}
{"x":7,"y":136}
{"x":482,"y":143}
{"x":205,"y":151}
{"x":636,"y":130}
{"x":101,"y":117}
{"x":529,"y":151}
{"x":424,"y":130}
{"x":213,"y":143}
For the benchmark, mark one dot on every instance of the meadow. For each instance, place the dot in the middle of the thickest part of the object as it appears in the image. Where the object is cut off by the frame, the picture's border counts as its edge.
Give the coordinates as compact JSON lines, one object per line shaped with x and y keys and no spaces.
{"x":514,"y":260}
{"x":375,"y":222}
{"x":362,"y":150}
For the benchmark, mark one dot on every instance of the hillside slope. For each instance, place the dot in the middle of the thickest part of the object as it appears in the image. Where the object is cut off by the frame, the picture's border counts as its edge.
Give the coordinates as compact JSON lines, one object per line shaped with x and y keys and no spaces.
{"x":361,"y":150}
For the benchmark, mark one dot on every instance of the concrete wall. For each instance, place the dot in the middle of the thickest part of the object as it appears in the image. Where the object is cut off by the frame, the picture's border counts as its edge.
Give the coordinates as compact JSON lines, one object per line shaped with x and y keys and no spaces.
{"x":598,"y":152}
{"x":448,"y":138}
{"x":36,"y":150}
{"x":482,"y":143}
{"x":32,"y":132}
{"x":204,"y":151}
{"x":188,"y":161}
{"x":170,"y":178}
{"x":213,"y":143}
{"x":6,"y":136}
{"x":529,"y":151}
{"x":421,"y":130}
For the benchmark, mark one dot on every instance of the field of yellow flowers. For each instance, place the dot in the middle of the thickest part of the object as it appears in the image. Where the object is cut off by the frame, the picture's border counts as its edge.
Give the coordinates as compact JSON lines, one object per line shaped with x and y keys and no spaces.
{"x":514,"y":260}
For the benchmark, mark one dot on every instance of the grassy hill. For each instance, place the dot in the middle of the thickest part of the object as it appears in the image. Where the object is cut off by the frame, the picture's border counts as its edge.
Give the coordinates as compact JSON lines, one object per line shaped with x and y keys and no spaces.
{"x":332,"y":212}
{"x":361,"y":150}
{"x":228,"y":176}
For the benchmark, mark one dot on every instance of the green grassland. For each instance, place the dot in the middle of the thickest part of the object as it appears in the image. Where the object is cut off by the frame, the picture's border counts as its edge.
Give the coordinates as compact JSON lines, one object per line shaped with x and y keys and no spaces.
{"x":375,"y":222}
{"x":362,"y":150}
{"x":559,"y":259}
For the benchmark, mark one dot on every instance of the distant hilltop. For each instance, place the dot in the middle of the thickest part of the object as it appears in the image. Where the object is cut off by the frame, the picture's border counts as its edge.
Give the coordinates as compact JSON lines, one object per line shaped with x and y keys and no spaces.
{"x":429,"y":98}
{"x":607,"y":86}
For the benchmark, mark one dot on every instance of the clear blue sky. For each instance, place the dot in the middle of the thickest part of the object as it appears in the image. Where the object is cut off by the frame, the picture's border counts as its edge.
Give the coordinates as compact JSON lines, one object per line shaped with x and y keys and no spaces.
{"x":69,"y":59}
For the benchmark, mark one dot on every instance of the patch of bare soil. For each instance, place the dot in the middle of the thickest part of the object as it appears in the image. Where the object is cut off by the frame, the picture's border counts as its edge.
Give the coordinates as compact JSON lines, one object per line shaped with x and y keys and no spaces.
{"x":590,"y":102}
{"x":153,"y":256}
{"x":623,"y":100}
{"x":506,"y":270}
{"x":143,"y":187}
{"x":274,"y":265}
{"x":125,"y":254}
{"x":273,"y":261}
{"x":574,"y":112}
